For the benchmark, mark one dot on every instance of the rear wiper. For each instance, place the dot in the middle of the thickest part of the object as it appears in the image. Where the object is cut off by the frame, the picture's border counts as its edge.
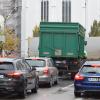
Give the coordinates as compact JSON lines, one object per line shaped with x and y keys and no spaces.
{"x":35,"y":66}
{"x":2,"y":69}
{"x":94,"y":72}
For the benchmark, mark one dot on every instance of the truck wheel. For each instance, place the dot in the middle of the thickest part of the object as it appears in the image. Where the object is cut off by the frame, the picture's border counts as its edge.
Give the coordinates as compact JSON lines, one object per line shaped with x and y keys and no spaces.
{"x":72,"y":75}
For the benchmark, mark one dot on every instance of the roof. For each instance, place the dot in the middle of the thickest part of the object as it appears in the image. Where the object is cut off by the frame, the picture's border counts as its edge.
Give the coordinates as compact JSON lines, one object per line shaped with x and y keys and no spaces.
{"x":44,"y":58}
{"x":92,"y":63}
{"x":7,"y":59}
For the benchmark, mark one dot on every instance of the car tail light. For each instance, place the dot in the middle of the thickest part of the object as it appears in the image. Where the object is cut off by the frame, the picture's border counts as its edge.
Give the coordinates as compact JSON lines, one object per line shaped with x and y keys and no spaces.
{"x":14,"y":74}
{"x":79,"y":77}
{"x":75,"y":62}
{"x":46,"y":71}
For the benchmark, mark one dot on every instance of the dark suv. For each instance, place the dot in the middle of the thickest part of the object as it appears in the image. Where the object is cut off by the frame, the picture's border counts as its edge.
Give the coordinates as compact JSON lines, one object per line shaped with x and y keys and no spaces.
{"x":17,"y":76}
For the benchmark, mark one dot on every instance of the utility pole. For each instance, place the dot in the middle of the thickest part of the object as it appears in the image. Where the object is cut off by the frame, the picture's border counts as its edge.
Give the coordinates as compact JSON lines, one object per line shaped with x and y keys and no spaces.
{"x":85,"y":13}
{"x":85,"y":18}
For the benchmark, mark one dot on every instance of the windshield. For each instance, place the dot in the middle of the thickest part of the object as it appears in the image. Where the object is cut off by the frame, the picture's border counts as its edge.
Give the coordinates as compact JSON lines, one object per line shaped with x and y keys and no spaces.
{"x":90,"y":69}
{"x":6,"y":66}
{"x":36,"y":63}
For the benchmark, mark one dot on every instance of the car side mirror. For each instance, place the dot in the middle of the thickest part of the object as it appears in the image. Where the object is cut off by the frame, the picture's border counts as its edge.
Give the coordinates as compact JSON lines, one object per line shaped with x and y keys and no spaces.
{"x":33,"y":68}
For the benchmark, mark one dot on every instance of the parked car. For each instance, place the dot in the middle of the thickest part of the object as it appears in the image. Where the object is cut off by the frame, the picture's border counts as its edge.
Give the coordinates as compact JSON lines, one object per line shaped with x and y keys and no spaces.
{"x":87,"y":80}
{"x":17,"y":76}
{"x":47,"y":72}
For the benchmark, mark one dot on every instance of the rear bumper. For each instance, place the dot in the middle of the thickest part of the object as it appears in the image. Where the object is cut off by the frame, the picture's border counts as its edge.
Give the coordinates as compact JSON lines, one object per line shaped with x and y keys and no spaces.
{"x":44,"y":79}
{"x":86,"y":88}
{"x":10,"y":87}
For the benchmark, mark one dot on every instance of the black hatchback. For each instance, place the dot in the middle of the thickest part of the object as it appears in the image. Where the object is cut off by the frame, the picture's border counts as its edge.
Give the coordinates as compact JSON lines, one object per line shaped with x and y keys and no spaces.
{"x":16,"y":76}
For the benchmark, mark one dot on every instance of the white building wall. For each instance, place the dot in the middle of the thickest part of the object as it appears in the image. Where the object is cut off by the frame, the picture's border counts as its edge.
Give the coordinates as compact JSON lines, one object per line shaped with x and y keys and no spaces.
{"x":23,"y":29}
{"x":30,"y":18}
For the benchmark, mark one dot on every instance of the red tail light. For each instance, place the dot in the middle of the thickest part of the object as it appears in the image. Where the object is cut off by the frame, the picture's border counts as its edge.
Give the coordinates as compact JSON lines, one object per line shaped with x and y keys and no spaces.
{"x":46,"y":71}
{"x":79,"y":77}
{"x":14,"y":74}
{"x":75,"y":62}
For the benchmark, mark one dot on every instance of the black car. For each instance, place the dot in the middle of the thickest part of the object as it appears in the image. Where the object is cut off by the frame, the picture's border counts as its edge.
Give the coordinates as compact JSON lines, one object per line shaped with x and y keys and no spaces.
{"x":16,"y":76}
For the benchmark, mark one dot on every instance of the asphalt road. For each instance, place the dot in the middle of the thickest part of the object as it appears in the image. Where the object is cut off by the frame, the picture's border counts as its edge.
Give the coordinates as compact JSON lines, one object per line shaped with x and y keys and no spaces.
{"x":62,"y":91}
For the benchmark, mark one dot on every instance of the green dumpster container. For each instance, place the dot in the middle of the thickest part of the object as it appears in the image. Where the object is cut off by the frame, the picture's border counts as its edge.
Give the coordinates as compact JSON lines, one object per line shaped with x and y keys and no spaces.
{"x":58,"y":39}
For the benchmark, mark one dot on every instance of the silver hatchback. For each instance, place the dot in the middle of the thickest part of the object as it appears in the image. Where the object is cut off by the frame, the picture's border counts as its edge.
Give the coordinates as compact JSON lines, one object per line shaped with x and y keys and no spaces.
{"x":46,"y":70}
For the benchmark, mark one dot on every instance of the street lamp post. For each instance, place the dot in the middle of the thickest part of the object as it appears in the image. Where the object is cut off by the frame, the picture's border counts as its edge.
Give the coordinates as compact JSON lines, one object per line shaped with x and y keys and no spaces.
{"x":85,"y":13}
{"x":85,"y":16}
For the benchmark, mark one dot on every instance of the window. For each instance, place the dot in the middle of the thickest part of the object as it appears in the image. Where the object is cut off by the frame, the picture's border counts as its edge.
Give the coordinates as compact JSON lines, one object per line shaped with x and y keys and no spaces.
{"x":6,"y":66}
{"x":19,"y":65}
{"x":36,"y":63}
{"x":50,"y":63}
{"x":27,"y":66}
{"x":90,"y":69}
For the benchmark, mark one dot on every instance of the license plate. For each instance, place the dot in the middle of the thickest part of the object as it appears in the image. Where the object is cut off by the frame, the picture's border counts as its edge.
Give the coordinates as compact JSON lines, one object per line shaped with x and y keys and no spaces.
{"x":1,"y":76}
{"x":94,"y":79}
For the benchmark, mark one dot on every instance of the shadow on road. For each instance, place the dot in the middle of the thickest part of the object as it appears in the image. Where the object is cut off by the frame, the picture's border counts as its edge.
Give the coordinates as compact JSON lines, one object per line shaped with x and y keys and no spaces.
{"x":13,"y":97}
{"x":95,"y":96}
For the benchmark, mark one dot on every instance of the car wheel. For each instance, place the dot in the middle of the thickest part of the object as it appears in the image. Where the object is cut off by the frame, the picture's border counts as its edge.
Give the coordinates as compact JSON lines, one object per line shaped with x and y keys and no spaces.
{"x":56,"y":82}
{"x":50,"y":83}
{"x":23,"y":92}
{"x":77,"y":94}
{"x":34,"y":90}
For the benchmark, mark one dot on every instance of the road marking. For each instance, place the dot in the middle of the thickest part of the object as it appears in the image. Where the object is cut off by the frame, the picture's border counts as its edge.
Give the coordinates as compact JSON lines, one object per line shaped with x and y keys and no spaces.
{"x":65,"y":88}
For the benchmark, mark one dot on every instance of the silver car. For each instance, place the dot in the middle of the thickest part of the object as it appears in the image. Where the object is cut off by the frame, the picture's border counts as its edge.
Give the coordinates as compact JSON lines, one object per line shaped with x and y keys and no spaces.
{"x":46,"y":70}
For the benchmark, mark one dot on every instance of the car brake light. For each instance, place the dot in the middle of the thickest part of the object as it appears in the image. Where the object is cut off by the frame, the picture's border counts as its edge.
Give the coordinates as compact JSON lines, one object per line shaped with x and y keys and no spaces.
{"x":46,"y":71}
{"x":75,"y":62}
{"x":14,"y":74}
{"x":79,"y":77}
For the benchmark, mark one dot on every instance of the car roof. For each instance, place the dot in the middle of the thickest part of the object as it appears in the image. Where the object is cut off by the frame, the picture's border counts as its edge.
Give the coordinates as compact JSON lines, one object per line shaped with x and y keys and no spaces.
{"x":92,"y":63}
{"x":7,"y":59}
{"x":43,"y":58}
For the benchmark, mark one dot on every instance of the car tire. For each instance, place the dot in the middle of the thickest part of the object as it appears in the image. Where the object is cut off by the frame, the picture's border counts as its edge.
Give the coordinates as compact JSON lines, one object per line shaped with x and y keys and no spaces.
{"x":34,"y":90}
{"x":23,"y":92}
{"x":56,"y":82}
{"x":77,"y":94}
{"x":50,"y":83}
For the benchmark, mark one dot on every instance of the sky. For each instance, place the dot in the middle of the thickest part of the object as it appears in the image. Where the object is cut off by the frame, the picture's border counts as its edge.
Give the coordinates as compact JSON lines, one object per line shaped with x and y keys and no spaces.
{"x":92,"y":12}
{"x":78,"y":12}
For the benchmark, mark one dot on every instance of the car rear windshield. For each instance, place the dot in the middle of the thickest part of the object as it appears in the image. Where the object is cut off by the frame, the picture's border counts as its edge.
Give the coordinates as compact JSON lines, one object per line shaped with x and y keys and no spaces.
{"x":36,"y":63}
{"x":6,"y":66}
{"x":90,"y":69}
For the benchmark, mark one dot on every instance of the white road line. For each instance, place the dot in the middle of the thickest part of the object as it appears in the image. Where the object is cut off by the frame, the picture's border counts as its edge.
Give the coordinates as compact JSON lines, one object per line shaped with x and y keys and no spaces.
{"x":64,"y":88}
